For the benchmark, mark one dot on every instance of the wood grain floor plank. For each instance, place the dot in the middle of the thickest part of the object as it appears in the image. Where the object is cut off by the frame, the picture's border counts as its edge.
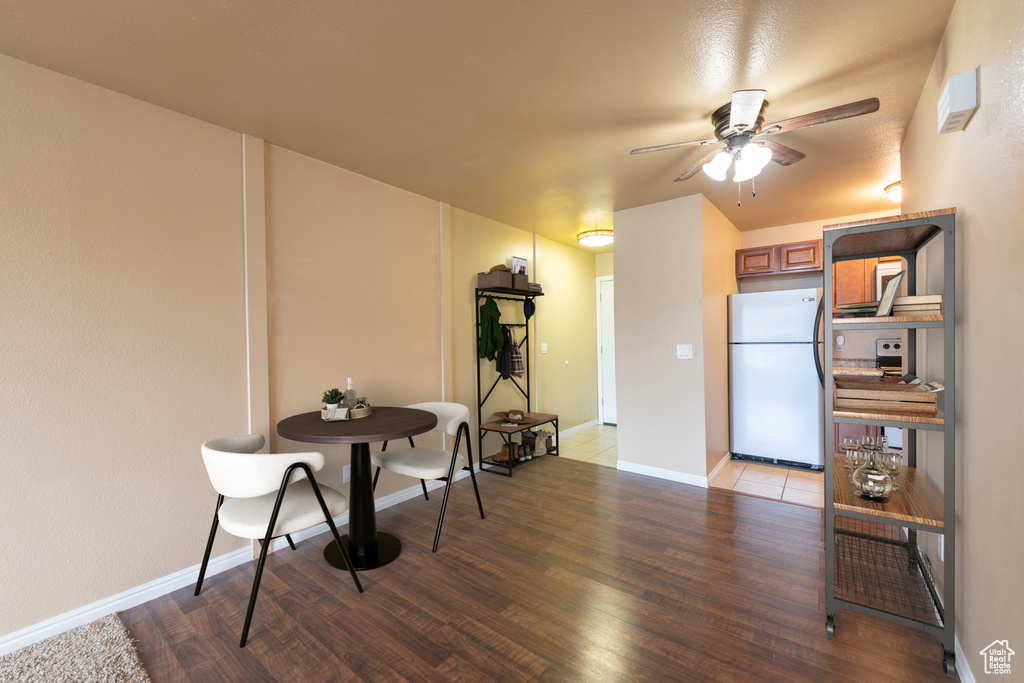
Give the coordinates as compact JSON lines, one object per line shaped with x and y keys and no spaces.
{"x":579,"y":573}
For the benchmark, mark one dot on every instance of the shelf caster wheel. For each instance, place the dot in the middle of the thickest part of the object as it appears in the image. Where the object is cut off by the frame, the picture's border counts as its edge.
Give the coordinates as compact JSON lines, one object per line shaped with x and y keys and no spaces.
{"x":830,"y":625}
{"x":949,"y":663}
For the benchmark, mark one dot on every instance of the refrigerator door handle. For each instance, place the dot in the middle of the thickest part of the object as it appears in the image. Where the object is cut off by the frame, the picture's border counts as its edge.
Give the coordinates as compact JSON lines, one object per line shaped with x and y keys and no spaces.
{"x":817,"y":340}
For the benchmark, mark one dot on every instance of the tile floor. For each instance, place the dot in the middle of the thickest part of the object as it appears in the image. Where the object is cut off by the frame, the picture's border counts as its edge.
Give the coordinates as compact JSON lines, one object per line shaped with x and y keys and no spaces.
{"x":791,"y":485}
{"x":598,"y":445}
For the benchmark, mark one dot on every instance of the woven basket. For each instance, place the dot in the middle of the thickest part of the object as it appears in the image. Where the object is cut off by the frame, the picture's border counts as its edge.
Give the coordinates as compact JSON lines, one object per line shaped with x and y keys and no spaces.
{"x":360,"y":410}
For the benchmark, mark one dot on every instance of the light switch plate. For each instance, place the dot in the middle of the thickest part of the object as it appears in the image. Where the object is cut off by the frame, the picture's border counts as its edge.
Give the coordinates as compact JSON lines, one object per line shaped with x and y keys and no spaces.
{"x":684,"y":351}
{"x":543,"y":348}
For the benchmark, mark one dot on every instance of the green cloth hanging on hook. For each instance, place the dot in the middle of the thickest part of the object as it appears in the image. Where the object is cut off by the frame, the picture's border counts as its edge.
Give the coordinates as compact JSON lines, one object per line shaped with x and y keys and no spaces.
{"x":491,"y":338}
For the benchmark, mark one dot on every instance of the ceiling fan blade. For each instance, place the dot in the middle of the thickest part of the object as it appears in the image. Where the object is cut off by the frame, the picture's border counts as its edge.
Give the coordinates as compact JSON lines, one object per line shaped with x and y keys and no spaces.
{"x":746,"y":107}
{"x":782,"y":155}
{"x":692,"y":171}
{"x":672,"y":145}
{"x":844,"y":111}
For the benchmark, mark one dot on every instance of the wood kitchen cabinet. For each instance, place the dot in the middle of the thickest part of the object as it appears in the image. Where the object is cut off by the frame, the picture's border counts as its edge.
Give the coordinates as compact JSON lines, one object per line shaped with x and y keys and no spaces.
{"x":854,"y":281}
{"x":800,"y":257}
{"x":779,"y":259}
{"x":758,"y":261}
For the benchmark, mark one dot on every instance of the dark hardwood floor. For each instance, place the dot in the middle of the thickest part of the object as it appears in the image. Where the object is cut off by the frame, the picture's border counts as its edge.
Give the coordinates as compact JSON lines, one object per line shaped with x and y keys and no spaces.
{"x":579,"y":573}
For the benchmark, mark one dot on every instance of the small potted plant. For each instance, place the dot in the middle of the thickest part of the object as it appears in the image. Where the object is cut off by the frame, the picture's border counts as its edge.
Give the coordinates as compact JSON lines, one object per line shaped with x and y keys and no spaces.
{"x":332,"y":398}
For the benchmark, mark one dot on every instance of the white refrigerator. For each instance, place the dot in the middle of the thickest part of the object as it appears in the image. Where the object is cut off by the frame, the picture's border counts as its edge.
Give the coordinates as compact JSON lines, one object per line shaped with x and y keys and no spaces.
{"x":775,"y":380}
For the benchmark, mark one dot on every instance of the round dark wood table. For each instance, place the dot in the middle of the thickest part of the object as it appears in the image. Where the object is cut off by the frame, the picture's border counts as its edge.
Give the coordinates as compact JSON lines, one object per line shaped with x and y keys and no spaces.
{"x":367,"y":547}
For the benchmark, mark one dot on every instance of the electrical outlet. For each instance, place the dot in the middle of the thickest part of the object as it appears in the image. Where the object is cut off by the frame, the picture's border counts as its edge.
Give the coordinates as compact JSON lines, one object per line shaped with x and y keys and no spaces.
{"x":346,"y":472}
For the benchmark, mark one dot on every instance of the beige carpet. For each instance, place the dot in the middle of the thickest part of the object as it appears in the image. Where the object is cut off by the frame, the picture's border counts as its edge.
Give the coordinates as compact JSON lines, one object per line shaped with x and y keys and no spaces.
{"x":99,"y":652}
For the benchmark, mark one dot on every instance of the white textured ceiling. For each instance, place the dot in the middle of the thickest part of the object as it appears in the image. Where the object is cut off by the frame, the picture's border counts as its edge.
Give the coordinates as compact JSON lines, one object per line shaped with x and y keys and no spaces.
{"x":522,"y":111}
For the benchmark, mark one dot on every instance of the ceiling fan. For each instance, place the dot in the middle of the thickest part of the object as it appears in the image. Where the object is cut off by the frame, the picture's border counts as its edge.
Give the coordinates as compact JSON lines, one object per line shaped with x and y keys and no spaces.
{"x":740,"y":125}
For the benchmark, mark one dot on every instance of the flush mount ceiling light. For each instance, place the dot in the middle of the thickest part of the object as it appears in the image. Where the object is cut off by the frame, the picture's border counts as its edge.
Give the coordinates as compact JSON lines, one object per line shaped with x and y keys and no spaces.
{"x":597,"y":237}
{"x":894,"y":191}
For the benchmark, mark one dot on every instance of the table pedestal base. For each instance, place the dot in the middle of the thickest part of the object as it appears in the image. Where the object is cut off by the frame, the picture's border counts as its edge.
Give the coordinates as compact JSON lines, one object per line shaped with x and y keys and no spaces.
{"x":388,"y":548}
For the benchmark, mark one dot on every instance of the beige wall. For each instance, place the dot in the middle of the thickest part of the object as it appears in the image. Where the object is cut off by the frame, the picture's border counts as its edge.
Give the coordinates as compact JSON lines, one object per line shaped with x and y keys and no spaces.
{"x":123,"y":342}
{"x":565,"y":319}
{"x":567,"y":322}
{"x":719,"y":241}
{"x":982,"y":176}
{"x":604,"y":264}
{"x":478,"y":243}
{"x":353,"y":291}
{"x":658,"y":287}
{"x":799,"y":232}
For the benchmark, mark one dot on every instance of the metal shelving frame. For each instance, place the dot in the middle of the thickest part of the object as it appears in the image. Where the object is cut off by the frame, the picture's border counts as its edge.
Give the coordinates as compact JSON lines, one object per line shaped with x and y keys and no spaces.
{"x":520,"y":296}
{"x":902,"y":236}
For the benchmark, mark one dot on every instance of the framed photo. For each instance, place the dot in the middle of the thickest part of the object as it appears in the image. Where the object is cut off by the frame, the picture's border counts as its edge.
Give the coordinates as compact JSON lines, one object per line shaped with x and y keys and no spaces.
{"x":892,"y":288}
{"x":883,"y":273}
{"x":518,"y":266}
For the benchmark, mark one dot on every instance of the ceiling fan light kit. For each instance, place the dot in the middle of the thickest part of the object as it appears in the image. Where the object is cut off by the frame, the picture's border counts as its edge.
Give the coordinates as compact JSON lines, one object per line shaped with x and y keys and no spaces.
{"x":597,"y":237}
{"x":740,"y":125}
{"x":718,"y":165}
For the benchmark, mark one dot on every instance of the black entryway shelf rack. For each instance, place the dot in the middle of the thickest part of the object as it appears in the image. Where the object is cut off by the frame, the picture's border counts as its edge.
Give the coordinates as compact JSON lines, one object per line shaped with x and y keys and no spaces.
{"x":518,"y":296}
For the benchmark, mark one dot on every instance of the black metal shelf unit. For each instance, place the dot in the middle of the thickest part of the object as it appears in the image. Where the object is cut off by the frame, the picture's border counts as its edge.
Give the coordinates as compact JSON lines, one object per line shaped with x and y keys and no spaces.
{"x":873,"y":561}
{"x":518,"y":296}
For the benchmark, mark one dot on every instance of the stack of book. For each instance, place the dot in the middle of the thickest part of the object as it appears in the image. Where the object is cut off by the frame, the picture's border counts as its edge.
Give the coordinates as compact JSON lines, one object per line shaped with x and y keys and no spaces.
{"x":925,"y":304}
{"x":858,"y":310}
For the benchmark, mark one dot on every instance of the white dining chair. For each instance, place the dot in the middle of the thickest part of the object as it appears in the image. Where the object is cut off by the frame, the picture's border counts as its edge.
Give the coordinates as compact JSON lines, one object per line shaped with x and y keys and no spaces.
{"x":434,"y":463}
{"x":263,"y":496}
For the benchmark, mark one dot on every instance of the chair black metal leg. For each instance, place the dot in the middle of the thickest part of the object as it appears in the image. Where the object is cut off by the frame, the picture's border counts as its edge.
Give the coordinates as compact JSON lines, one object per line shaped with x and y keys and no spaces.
{"x":424,"y":485}
{"x":334,"y":529}
{"x":290,"y":541}
{"x":476,"y":489}
{"x":375,"y":475}
{"x":444,"y":501}
{"x":209,"y":545}
{"x":264,"y":546}
{"x":472,"y":474}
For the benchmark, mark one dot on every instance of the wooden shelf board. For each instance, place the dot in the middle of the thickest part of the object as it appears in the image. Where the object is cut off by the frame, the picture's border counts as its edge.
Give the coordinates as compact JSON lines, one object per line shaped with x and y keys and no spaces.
{"x":892,"y":219}
{"x":902,"y":319}
{"x":898,"y":238}
{"x":915,"y":502}
{"x":891,"y":416}
{"x":532,"y":420}
{"x":483,"y":291}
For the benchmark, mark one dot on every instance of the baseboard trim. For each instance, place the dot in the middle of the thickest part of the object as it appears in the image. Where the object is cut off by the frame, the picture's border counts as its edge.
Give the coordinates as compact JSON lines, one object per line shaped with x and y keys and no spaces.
{"x":578,"y":428}
{"x":962,"y":668}
{"x":659,"y":473}
{"x":726,"y":459}
{"x":134,"y":597}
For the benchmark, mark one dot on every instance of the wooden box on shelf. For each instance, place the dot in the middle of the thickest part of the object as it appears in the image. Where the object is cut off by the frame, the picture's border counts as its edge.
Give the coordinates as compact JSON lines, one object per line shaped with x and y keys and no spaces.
{"x":875,"y":395}
{"x":497,"y":279}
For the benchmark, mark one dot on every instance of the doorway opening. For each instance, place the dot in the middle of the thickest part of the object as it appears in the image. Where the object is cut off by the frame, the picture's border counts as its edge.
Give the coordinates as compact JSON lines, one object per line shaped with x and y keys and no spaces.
{"x":606,"y":407}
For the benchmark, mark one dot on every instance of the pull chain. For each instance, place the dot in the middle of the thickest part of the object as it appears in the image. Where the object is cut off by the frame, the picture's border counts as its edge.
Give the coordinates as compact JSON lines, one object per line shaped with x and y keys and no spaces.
{"x":753,"y":190}
{"x":739,"y":196}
